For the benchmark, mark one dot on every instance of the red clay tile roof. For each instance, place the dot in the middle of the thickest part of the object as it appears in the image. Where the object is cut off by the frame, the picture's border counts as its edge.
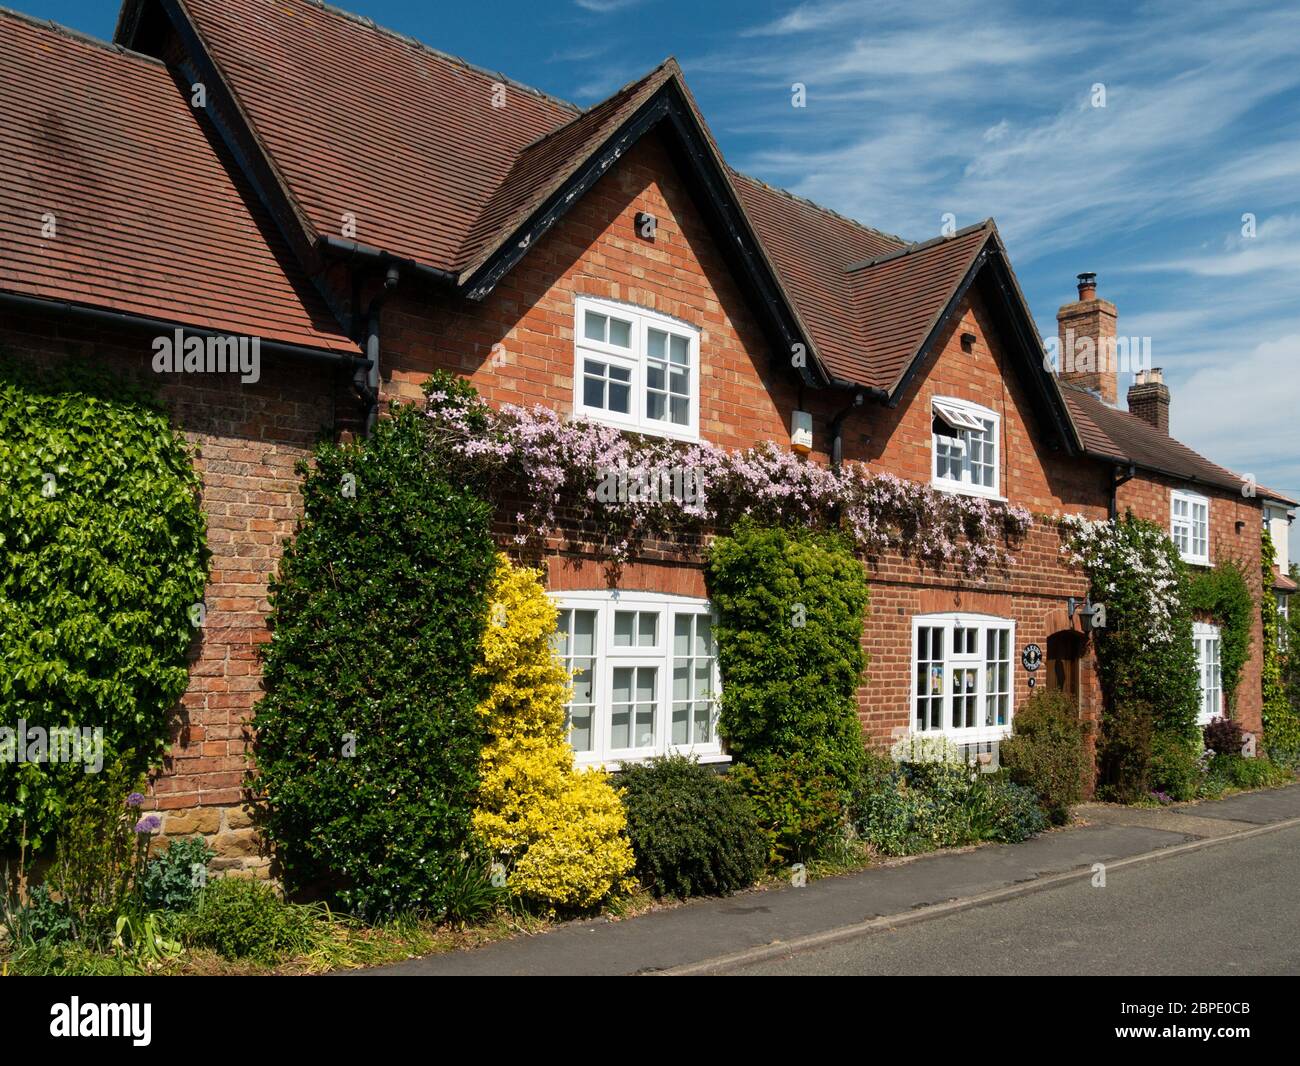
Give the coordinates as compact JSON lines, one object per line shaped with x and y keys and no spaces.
{"x":1283,"y":583}
{"x":812,"y":249}
{"x":543,"y":166}
{"x":363,"y":121}
{"x":1109,"y":433}
{"x":149,"y":220}
{"x":898,"y":298}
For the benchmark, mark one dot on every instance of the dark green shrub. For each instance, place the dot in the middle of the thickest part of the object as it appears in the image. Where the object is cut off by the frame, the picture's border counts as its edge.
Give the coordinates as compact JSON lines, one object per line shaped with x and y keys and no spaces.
{"x":1175,"y":768}
{"x":1047,"y":754}
{"x":1223,"y":736}
{"x":367,"y":740}
{"x":789,"y":633}
{"x":1282,"y":738}
{"x":1249,"y":773}
{"x":941,"y":805}
{"x":799,"y":806}
{"x":694,"y":833}
{"x":172,"y":879}
{"x":1015,"y":813}
{"x":39,"y":919}
{"x":104,"y":554}
{"x":1125,"y":753}
{"x":243,"y":919}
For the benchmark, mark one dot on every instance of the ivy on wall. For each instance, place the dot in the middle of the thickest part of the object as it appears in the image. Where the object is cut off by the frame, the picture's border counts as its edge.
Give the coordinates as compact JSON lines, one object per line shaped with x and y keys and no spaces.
{"x":103,"y":560}
{"x":1224,"y":594}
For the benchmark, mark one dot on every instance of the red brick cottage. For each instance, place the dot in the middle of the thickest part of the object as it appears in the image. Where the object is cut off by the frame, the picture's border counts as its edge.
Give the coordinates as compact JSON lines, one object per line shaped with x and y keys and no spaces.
{"x":373,"y":209}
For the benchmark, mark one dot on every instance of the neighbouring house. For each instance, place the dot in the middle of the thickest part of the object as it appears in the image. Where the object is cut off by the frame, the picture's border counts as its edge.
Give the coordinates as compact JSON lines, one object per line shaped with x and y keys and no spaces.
{"x":373,"y":209}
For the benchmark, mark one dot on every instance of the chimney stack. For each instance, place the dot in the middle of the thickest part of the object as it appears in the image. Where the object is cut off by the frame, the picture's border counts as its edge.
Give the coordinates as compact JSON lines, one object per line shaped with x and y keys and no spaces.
{"x":1148,"y":398}
{"x":1086,"y":330}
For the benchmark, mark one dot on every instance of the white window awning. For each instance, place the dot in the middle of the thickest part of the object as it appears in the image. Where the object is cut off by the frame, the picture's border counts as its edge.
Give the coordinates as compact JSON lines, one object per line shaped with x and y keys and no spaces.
{"x":957,"y":418}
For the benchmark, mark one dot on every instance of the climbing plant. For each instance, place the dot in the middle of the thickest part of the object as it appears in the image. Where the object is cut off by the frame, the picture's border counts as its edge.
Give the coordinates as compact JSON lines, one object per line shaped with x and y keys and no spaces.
{"x":1223,"y":593}
{"x":103,"y":562}
{"x":1145,"y":654}
{"x":1281,"y":717}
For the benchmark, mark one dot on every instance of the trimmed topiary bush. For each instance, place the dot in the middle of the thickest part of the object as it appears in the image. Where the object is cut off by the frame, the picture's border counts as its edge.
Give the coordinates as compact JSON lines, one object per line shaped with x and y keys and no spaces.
{"x":789,"y":633}
{"x":558,"y":830}
{"x":102,"y":557}
{"x":1124,"y":757}
{"x":1047,"y":754}
{"x":367,"y":742}
{"x":1175,"y":766}
{"x":693,"y":832}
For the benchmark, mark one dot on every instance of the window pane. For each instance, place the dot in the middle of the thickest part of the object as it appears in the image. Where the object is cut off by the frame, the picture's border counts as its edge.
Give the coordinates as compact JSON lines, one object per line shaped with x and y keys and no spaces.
{"x":656,"y":406}
{"x":648,"y":629}
{"x":624,"y":628}
{"x":654,"y":376}
{"x":681,"y":410}
{"x":620,"y":333}
{"x":681,"y":350}
{"x":682,"y":634}
{"x":621,"y":708}
{"x":620,"y":399}
{"x":584,"y":632}
{"x":594,"y":328}
{"x":703,"y":635}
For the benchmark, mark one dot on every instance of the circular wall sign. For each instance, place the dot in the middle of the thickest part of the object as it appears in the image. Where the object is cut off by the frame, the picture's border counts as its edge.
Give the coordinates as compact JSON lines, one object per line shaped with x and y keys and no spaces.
{"x":1032,"y":657}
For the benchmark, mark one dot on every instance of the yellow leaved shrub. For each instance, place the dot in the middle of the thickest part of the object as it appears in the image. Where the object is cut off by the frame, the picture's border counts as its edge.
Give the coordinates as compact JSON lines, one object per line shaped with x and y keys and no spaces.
{"x":560,"y":831}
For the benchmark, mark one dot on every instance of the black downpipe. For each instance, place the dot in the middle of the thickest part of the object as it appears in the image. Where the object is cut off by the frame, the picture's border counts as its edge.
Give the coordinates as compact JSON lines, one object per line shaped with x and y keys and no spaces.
{"x":1118,"y":476}
{"x":371,"y":391}
{"x":837,"y":429}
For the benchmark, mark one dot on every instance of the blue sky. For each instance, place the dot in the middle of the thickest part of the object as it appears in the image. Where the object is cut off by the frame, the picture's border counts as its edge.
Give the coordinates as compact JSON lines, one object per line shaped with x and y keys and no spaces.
{"x":918,"y":109}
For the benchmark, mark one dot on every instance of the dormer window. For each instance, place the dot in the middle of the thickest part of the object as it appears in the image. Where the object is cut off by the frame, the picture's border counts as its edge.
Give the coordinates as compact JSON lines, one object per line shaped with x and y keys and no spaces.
{"x":965,"y":447}
{"x":636,"y":369}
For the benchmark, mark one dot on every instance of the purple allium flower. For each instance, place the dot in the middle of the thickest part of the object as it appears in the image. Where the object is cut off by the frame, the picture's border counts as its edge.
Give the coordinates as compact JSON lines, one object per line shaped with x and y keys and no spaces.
{"x":134,"y":800}
{"x":148,"y":824}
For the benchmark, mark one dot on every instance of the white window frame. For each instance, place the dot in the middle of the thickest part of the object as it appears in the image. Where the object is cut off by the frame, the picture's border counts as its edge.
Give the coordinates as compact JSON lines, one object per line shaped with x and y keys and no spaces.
{"x":1183,"y":527}
{"x":608,"y":657}
{"x":949,"y":622}
{"x":964,"y":416}
{"x":1209,"y":670}
{"x":1283,"y":611}
{"x":636,"y":360}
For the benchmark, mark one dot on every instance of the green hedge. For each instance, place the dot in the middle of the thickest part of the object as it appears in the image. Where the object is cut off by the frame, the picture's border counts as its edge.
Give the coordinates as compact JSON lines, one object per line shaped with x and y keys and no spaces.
{"x":790,"y":615}
{"x":367,"y":740}
{"x":102,"y":555}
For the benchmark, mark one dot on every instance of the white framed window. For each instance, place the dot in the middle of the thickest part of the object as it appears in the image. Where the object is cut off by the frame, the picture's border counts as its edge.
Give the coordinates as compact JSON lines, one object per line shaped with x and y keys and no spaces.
{"x":636,"y":369}
{"x":1283,"y":599}
{"x":962,"y":680}
{"x":646,"y":676}
{"x":1206,"y":639}
{"x":1189,"y":526}
{"x":965,"y":446}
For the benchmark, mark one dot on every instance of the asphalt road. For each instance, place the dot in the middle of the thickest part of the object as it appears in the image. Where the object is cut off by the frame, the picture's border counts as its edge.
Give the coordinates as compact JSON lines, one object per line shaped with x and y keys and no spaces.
{"x":1229,"y":909}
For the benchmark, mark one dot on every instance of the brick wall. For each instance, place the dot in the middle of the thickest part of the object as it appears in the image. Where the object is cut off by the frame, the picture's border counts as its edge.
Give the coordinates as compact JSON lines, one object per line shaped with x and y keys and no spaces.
{"x":248,"y":439}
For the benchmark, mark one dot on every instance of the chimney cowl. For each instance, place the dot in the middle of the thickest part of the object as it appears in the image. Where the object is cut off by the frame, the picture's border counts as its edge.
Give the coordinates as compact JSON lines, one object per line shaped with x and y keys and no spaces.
{"x":1087,"y":285}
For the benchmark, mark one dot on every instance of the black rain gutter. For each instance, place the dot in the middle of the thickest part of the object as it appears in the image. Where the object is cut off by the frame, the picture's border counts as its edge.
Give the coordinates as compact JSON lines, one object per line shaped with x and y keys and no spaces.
{"x":346,"y":249}
{"x":103,"y":316}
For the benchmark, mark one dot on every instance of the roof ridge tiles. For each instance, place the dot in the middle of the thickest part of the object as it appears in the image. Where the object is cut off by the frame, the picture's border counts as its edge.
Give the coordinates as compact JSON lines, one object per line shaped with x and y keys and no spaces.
{"x":406,"y":38}
{"x":78,"y":35}
{"x":819,"y":207}
{"x":919,"y":246}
